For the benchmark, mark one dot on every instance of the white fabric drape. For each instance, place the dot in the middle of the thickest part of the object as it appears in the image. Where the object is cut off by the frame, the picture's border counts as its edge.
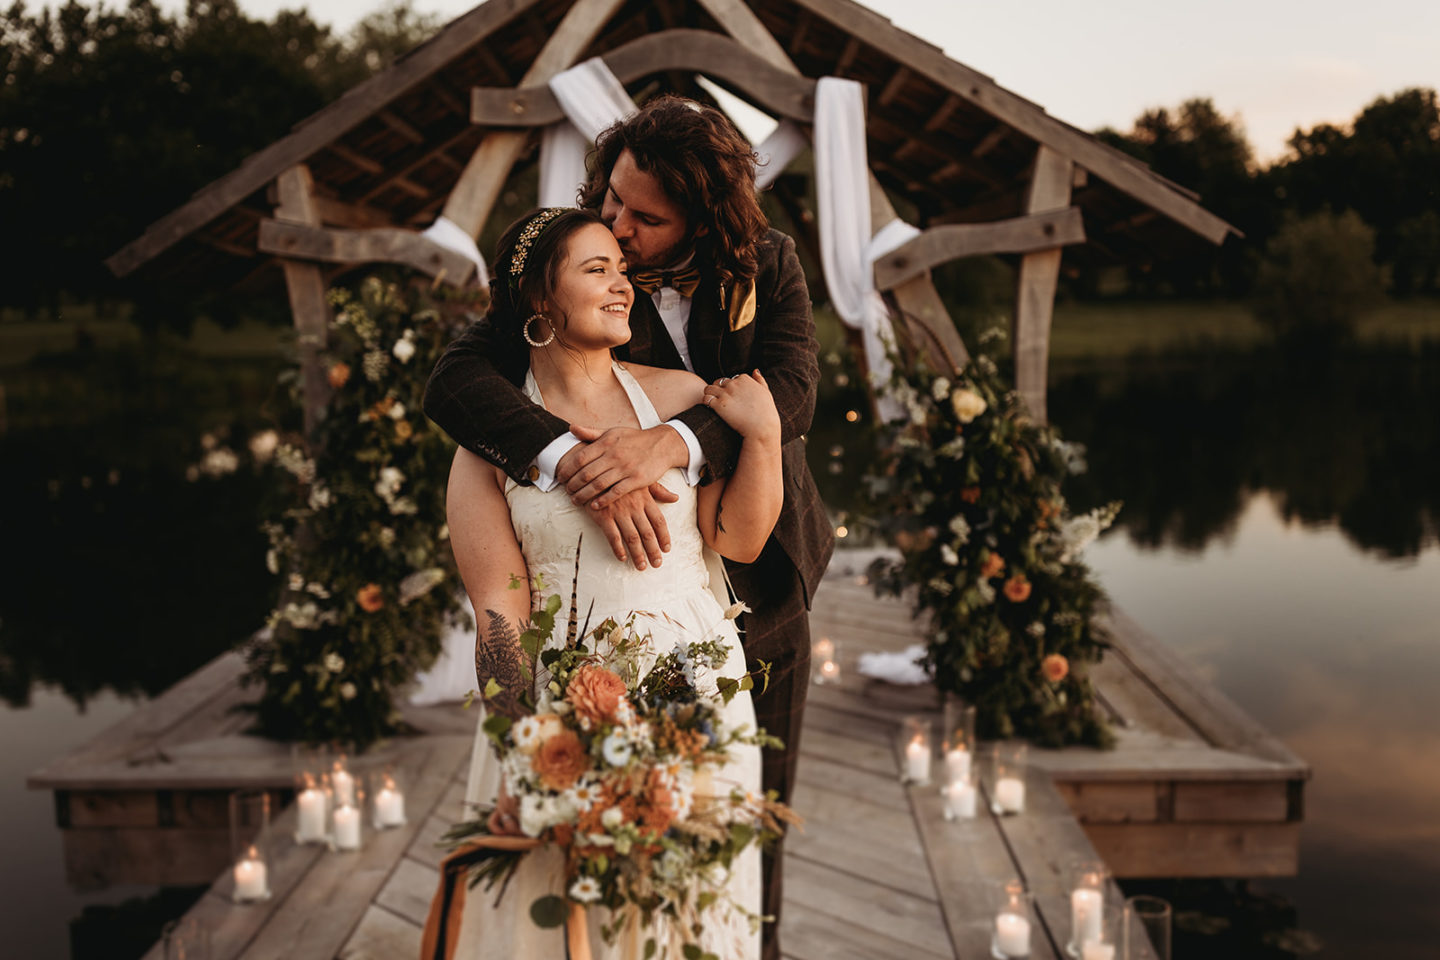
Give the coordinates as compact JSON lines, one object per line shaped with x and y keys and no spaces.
{"x":592,"y":98}
{"x":447,"y":233}
{"x":847,"y":244}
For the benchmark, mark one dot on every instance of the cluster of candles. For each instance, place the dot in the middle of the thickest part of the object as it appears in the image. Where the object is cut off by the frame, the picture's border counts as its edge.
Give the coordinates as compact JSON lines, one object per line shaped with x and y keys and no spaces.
{"x":823,"y":654}
{"x":328,"y":811}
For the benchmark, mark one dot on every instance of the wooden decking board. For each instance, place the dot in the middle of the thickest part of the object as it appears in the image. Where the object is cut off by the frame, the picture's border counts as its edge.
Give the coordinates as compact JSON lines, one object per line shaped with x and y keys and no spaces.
{"x":904,"y":917}
{"x":382,"y":935}
{"x":809,"y":934}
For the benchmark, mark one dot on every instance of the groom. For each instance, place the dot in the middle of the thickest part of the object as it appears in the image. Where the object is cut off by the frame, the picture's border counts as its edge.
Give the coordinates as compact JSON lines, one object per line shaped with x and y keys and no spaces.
{"x":719,"y":293}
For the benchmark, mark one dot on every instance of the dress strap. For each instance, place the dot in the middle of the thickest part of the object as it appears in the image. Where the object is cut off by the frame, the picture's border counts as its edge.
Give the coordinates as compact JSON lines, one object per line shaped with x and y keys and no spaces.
{"x":532,"y":389}
{"x":639,"y":402}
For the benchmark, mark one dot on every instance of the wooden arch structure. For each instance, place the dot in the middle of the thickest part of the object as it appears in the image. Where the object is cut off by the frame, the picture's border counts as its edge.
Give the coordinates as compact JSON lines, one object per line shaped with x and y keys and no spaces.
{"x":442,"y":130}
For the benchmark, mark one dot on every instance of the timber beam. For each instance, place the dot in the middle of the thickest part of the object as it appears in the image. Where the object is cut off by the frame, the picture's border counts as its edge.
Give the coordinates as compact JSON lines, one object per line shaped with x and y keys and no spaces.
{"x":694,"y":51}
{"x":383,"y":245}
{"x":937,"y":245}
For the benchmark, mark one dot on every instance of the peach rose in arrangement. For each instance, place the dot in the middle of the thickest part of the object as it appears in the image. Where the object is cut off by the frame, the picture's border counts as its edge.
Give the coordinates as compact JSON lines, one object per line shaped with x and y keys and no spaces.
{"x":595,"y":693}
{"x":560,"y":760}
{"x":1017,"y":589}
{"x":370,"y":597}
{"x":339,"y":375}
{"x":993,"y":566}
{"x":1055,"y":668}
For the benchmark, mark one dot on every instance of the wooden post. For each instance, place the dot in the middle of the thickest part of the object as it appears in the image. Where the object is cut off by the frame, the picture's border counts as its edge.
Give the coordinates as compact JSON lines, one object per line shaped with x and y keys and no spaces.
{"x":1050,"y":182}
{"x":916,"y":298}
{"x":479,"y":185}
{"x":306,"y":286}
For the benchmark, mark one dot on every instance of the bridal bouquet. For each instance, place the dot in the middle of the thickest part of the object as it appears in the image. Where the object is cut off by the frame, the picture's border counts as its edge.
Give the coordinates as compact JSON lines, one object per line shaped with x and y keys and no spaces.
{"x":614,"y":758}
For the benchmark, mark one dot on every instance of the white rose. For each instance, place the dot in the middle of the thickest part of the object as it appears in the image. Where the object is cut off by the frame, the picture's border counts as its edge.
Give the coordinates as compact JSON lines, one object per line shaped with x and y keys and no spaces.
{"x":397,"y":412}
{"x":616,"y":749}
{"x":967,"y":404}
{"x":612,"y":818}
{"x":403,"y":350}
{"x":940,"y":389}
{"x":948,"y":554}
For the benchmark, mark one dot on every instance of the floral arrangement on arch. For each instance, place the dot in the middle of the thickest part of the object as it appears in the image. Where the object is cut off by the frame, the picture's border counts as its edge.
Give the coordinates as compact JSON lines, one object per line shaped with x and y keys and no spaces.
{"x":968,"y":488}
{"x":367,"y":581}
{"x":614,"y":754}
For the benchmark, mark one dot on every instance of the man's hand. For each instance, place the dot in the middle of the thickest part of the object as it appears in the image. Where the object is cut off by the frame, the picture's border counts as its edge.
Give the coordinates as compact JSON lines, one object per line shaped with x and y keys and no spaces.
{"x":635,"y":527}
{"x":618,"y":461}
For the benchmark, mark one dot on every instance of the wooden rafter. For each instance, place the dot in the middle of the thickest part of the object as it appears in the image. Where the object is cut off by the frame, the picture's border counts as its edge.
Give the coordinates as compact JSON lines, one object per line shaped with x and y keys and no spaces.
{"x":356,"y":159}
{"x":937,"y":245}
{"x":306,"y":242}
{"x":893,"y":86}
{"x":942,"y":116}
{"x":306,"y":287}
{"x":402,"y":127}
{"x":693,"y":51}
{"x":1050,"y":181}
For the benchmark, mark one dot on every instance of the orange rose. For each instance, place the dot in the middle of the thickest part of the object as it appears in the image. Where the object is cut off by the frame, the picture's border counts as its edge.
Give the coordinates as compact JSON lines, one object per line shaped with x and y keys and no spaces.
{"x":1055,"y":668}
{"x":595,"y":693}
{"x":560,"y":760}
{"x":1017,"y":589}
{"x":970,"y":494}
{"x":403,"y":430}
{"x":993,"y":566}
{"x":339,"y":375}
{"x":370,"y":597}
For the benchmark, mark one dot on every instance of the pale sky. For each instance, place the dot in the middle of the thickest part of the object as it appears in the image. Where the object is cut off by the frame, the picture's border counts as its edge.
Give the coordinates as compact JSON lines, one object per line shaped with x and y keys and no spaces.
{"x":1274,"y":64}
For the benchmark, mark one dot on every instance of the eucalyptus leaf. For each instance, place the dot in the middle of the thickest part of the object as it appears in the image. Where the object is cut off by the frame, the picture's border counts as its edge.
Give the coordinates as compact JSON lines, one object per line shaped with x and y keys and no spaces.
{"x":548,"y":912}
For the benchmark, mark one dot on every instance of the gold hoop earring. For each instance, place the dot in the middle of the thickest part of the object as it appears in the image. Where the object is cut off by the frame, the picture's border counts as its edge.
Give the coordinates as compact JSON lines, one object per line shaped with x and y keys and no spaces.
{"x":525,"y":331}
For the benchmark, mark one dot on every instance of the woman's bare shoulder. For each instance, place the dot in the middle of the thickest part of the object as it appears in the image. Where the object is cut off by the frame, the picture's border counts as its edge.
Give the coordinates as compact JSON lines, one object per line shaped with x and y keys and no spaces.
{"x":671,"y":391}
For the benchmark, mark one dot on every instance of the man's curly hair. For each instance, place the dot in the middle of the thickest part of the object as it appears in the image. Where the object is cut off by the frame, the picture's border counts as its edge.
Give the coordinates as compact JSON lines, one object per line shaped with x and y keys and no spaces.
{"x":703,"y":164}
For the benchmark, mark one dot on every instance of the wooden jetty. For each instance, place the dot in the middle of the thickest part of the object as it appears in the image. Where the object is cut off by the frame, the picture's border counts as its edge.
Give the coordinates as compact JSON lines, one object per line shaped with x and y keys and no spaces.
{"x":1195,"y":788}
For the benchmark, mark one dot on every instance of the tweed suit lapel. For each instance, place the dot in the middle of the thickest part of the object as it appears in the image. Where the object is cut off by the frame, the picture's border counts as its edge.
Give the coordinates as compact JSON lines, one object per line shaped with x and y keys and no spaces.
{"x":650,"y":342}
{"x":706,"y":329}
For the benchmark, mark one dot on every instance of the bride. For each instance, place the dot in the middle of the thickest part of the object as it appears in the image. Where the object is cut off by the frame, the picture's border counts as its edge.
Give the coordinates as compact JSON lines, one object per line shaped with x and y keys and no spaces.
{"x":561,"y":291}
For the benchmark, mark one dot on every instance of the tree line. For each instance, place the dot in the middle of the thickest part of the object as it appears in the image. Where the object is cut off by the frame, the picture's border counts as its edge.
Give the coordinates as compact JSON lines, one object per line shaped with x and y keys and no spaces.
{"x":109,"y":117}
{"x":1380,"y":173}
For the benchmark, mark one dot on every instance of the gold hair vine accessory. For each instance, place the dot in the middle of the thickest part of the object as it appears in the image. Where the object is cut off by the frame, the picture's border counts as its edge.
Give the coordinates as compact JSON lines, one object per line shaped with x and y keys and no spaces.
{"x":528,"y":236}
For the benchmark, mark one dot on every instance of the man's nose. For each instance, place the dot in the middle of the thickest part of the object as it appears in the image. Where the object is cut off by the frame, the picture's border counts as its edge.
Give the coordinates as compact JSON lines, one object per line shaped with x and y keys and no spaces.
{"x":622,"y":225}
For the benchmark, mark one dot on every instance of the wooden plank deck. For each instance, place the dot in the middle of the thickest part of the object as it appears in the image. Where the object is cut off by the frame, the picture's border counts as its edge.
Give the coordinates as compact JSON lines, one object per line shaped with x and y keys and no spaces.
{"x":1195,"y":788}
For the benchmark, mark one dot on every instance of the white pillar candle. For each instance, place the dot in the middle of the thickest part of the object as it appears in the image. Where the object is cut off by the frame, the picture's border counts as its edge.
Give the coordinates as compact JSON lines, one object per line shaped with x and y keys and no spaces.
{"x":389,"y":807}
{"x":344,"y":786}
{"x":824,"y":649}
{"x":310,"y":822}
{"x":1012,"y":935}
{"x":1010,"y":795}
{"x":250,"y":878}
{"x":957,"y":763}
{"x":960,"y":801}
{"x":1095,"y":950}
{"x":917,"y":761}
{"x":1086,"y":906}
{"x":347,"y":828}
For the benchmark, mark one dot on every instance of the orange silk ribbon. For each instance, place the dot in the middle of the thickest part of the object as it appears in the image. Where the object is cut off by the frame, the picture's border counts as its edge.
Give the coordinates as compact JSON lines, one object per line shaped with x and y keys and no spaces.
{"x":442,"y":925}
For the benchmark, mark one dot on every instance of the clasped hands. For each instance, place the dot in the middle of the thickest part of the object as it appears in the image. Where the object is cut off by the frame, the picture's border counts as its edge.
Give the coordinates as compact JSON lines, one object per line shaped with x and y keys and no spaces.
{"x":615,"y":473}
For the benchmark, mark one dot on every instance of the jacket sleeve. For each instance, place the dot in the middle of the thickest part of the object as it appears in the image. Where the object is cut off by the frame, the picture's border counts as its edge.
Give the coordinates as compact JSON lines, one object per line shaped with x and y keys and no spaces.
{"x":472,"y":395}
{"x":785,"y":350}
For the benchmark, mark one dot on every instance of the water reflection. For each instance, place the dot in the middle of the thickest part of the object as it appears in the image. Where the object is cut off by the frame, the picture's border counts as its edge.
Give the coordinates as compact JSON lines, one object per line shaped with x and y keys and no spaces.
{"x":1347,"y":435}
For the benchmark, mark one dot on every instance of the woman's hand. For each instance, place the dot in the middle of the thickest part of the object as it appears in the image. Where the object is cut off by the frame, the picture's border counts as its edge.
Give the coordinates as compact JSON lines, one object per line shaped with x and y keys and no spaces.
{"x":504,"y":820}
{"x":745,"y":403}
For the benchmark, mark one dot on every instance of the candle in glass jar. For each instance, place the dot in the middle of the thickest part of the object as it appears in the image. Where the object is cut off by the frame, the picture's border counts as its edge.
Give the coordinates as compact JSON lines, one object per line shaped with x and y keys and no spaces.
{"x":1012,"y":935}
{"x":959,"y":800}
{"x":310,"y":822}
{"x":1010,"y":795}
{"x":824,"y":649}
{"x":1086,"y":907}
{"x":917,"y":761}
{"x":250,"y":877}
{"x":1095,"y":950}
{"x":347,"y":828}
{"x":957,"y":763}
{"x":829,"y":671}
{"x":344,"y":785}
{"x":389,"y":806}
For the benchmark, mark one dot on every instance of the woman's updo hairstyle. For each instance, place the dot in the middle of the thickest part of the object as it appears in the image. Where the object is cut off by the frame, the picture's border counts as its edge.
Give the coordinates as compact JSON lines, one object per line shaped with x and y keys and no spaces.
{"x":527,"y":265}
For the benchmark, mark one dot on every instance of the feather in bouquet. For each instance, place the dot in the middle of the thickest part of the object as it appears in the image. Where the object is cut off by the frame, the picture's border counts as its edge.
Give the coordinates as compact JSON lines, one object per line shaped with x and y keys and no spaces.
{"x":616,"y":759}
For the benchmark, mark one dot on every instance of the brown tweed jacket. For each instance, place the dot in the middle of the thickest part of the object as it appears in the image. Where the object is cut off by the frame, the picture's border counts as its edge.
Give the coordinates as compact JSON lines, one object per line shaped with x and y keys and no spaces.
{"x":474,"y":394}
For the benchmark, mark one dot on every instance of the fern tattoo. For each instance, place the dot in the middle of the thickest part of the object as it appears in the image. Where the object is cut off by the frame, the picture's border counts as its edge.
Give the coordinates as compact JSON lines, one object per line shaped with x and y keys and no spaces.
{"x":497,"y":657}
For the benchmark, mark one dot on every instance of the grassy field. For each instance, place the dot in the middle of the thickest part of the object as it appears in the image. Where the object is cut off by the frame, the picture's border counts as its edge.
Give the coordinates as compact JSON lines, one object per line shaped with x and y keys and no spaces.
{"x":1106,"y":331}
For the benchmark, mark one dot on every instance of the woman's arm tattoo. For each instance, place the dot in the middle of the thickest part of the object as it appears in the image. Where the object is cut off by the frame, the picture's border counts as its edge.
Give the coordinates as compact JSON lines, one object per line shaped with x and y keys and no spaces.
{"x":497,"y":655}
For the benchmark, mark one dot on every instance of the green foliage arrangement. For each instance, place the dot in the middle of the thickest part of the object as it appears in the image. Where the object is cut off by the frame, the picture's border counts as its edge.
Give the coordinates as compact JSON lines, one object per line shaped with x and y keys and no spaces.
{"x":969,"y":489}
{"x":1318,"y":275}
{"x":368,"y":582}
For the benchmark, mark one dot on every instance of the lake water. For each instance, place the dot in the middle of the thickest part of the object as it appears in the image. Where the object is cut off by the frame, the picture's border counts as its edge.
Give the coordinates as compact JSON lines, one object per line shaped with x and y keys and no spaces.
{"x":1279,"y":529}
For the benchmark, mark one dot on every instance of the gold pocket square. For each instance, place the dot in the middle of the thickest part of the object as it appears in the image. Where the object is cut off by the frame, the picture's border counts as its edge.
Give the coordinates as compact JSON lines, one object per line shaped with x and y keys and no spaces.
{"x":742,"y":304}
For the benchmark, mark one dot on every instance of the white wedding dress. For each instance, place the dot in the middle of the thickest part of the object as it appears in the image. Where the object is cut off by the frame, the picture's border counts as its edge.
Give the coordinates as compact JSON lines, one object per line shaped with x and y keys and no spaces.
{"x":684,"y":590}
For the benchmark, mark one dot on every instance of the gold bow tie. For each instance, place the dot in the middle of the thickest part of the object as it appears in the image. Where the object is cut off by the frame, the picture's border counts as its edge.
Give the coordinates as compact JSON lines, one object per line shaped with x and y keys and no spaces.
{"x":685,"y":281}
